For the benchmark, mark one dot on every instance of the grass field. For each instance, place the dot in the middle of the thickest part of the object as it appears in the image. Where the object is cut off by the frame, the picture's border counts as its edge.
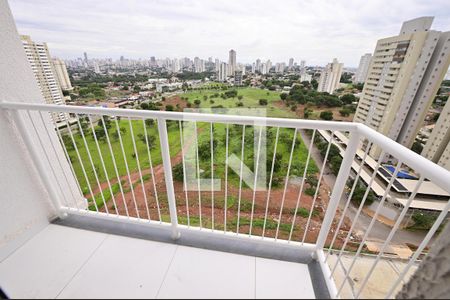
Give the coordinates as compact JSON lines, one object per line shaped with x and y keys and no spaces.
{"x":130,"y":156}
{"x":283,"y":150}
{"x":250,"y":99}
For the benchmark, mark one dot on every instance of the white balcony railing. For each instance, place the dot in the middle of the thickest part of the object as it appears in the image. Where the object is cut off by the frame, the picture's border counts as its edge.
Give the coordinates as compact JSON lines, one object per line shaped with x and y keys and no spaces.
{"x":124,"y":167}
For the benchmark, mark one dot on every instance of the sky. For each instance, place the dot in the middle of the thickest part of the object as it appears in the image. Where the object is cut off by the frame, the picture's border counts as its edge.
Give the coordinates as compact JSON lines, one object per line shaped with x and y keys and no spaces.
{"x":311,"y":30}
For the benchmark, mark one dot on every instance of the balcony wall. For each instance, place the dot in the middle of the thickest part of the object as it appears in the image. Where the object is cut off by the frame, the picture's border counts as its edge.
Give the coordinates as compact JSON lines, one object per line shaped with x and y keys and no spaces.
{"x":24,"y":205}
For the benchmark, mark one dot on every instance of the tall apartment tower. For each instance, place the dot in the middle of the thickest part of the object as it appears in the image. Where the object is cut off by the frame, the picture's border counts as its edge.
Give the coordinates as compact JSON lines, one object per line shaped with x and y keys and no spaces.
{"x":41,"y":64}
{"x":222,"y":73}
{"x":437,"y":148}
{"x":291,"y":63}
{"x":330,"y":77}
{"x":404,"y":75}
{"x":62,"y":75}
{"x":232,"y":61}
{"x":363,"y":68}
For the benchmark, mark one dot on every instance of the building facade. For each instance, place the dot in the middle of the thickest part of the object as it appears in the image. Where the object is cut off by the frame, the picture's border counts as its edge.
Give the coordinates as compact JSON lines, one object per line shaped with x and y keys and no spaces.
{"x":404,"y":75}
{"x":232,"y":62}
{"x":62,"y":75}
{"x":41,"y":64}
{"x":437,"y":148}
{"x":330,"y":77}
{"x":363,"y":68}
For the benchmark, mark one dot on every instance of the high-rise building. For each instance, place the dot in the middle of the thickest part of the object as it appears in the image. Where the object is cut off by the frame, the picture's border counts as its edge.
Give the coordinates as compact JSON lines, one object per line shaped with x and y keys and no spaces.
{"x":268,"y":65}
{"x":217,"y":65}
{"x":361,"y":73}
{"x":279,"y":67}
{"x":199,"y":65}
{"x":62,"y":75}
{"x":302,"y":67}
{"x":258,"y":65}
{"x":291,"y":63}
{"x":222,"y":74}
{"x":96,"y":67}
{"x":330,"y":77}
{"x":404,"y":75}
{"x":41,"y":64}
{"x":232,"y":61}
{"x":305,"y":77}
{"x":437,"y":148}
{"x":238,"y":78}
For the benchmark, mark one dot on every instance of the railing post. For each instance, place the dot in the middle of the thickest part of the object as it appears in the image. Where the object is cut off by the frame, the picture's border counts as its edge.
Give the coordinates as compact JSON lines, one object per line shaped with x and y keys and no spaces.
{"x":165,"y":154}
{"x":338,"y":189}
{"x":37,"y":160}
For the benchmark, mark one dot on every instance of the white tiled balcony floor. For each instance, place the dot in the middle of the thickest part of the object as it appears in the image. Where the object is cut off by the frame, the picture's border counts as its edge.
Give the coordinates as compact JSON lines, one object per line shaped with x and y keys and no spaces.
{"x":64,"y":262}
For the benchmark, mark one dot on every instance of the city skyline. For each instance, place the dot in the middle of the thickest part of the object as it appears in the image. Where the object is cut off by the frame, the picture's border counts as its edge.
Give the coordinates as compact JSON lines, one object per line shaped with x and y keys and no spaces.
{"x":254,"y":31}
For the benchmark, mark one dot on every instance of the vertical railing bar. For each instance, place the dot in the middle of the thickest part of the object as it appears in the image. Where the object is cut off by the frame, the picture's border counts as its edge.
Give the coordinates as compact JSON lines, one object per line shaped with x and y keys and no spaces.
{"x":240,"y":179}
{"x":126,"y":167}
{"x":256,"y":179}
{"x":442,"y":216}
{"x":92,"y":164}
{"x":46,"y":155}
{"x":151,"y":169}
{"x":59,"y":161}
{"x":184,"y":174}
{"x":361,"y":205}
{"x":198,"y":177}
{"x":165,"y":153}
{"x":270,"y":181}
{"x":67,"y":157}
{"x":113,"y":158}
{"x":226,"y":182}
{"x":103,"y":164}
{"x":82,"y":167}
{"x":372,"y":222}
{"x":347,"y":204}
{"x":286,"y":183}
{"x":302,"y":185}
{"x":212,"y":174}
{"x":391,"y":233}
{"x":324,"y":165}
{"x":139,"y":168}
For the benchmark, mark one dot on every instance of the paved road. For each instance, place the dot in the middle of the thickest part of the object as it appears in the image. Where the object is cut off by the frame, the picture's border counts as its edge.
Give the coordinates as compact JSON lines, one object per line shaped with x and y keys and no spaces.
{"x":379,"y":230}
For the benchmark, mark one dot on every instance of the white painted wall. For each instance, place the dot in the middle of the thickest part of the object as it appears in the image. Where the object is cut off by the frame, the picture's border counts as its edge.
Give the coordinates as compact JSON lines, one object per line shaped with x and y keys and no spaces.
{"x":25,"y":206}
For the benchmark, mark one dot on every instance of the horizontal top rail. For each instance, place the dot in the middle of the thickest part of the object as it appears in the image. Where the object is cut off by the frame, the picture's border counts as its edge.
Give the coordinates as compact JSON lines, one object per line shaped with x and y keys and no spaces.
{"x":186,"y":116}
{"x":420,"y":164}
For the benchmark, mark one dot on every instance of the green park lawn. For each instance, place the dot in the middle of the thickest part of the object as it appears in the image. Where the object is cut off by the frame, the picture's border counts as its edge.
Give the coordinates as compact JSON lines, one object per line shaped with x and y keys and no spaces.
{"x":250,"y":99}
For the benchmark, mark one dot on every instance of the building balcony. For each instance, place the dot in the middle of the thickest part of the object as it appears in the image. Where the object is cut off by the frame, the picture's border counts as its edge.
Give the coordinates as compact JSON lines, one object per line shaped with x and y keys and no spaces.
{"x":150,"y":204}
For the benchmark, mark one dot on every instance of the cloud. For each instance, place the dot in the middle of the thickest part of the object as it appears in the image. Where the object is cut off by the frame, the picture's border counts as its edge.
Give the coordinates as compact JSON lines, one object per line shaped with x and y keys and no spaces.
{"x":314,"y":30}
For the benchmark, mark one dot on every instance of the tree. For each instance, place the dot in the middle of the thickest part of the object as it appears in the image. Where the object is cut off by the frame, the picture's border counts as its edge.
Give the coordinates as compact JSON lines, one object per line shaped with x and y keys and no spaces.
{"x":326,"y":115}
{"x":197,"y":102}
{"x":294,"y":107}
{"x":136,"y":89}
{"x":283,"y":96}
{"x":144,"y":105}
{"x":307,"y":112}
{"x":345,"y":112}
{"x":205,"y":98}
{"x":169,"y":107}
{"x":263,"y":102}
{"x":107,"y":122}
{"x":348,"y":98}
{"x":240,"y":97}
